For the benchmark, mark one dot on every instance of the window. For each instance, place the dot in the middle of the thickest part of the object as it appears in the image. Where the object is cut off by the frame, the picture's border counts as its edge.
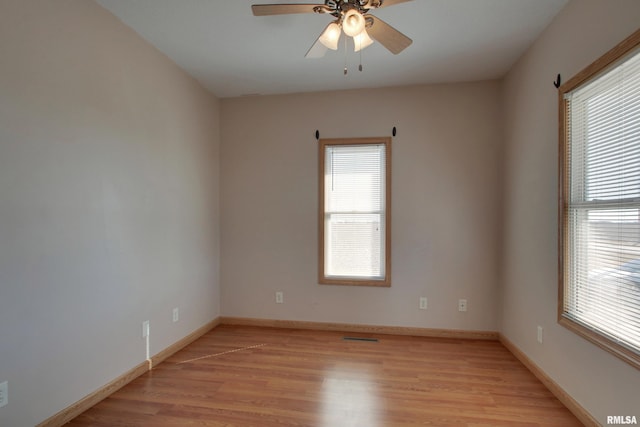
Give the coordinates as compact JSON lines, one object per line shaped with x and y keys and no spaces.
{"x":599,"y":239}
{"x":355,"y":211}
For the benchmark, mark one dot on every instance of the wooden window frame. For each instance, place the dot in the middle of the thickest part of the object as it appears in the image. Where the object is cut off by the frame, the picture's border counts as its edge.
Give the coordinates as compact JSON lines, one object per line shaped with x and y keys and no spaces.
{"x":601,"y":65}
{"x":322,"y":278}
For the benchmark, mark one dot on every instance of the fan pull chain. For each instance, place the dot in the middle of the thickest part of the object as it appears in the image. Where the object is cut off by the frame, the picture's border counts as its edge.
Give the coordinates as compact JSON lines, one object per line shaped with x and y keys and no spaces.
{"x":345,"y":55}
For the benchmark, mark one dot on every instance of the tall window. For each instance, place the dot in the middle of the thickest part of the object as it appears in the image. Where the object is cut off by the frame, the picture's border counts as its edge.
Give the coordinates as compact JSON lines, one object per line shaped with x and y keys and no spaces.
{"x":600,"y":202}
{"x":355,"y":211}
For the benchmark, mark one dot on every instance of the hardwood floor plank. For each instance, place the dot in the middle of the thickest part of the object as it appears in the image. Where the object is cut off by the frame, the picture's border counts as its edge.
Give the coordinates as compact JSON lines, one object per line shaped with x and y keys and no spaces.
{"x":252,"y":376}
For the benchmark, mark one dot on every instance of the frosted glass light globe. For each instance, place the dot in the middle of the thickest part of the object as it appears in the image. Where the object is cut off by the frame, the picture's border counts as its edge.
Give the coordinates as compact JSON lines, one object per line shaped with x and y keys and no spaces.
{"x":353,"y":23}
{"x":330,"y":36}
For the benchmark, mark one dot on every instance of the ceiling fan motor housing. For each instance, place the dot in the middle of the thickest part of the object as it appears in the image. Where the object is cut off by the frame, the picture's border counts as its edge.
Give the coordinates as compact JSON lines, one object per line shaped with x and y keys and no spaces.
{"x":339,"y":7}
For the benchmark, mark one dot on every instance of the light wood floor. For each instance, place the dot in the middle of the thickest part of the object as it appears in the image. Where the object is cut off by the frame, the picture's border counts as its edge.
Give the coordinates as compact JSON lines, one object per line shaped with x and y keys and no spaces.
{"x":246,"y":376}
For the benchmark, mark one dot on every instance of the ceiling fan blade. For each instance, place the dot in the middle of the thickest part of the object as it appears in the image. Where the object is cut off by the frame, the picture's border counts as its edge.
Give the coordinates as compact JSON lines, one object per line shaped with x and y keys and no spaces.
{"x":387,"y":3}
{"x":317,"y":50}
{"x":283,"y":9}
{"x":388,"y":36}
{"x":377,"y":4}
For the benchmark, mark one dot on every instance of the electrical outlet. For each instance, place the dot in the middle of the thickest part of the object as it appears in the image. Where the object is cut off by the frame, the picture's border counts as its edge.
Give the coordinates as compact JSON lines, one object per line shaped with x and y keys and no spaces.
{"x":176,"y":314}
{"x":462,"y":305}
{"x":145,"y":329}
{"x":423,"y":303}
{"x":280,"y":297}
{"x":540,"y":334}
{"x":4,"y":393}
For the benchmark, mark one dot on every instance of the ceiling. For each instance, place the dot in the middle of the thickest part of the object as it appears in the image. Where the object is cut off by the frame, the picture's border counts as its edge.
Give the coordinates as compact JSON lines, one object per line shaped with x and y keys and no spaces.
{"x":233,"y":53}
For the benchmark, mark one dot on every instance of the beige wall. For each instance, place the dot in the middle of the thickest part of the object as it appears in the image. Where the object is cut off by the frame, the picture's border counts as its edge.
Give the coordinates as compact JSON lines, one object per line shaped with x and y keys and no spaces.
{"x":108,"y":203}
{"x":109,"y":213}
{"x":446,"y":205}
{"x":581,"y":33}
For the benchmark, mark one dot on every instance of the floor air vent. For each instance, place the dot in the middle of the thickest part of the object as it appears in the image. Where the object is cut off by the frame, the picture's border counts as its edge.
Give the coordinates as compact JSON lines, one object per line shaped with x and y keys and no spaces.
{"x":360,"y":339}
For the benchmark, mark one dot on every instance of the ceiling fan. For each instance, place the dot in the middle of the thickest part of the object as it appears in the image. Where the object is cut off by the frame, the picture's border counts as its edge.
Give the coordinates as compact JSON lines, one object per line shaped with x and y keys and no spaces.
{"x":352,"y":18}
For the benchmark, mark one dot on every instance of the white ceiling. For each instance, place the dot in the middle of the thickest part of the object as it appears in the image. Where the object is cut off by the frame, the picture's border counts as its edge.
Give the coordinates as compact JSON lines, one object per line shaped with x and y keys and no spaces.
{"x":233,"y":53}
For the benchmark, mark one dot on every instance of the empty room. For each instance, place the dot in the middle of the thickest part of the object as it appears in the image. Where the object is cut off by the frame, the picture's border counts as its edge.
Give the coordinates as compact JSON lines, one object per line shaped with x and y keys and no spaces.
{"x":343,"y":213}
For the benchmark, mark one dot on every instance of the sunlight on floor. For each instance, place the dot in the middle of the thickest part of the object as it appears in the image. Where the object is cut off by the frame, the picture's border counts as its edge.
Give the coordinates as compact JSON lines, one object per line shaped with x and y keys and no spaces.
{"x":349,"y":400}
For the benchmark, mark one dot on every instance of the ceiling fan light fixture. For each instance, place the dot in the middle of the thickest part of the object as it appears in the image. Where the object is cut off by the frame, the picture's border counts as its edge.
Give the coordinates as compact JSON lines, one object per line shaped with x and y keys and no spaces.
{"x":361,"y":41}
{"x":353,"y":23}
{"x":351,"y":17}
{"x":331,"y":36}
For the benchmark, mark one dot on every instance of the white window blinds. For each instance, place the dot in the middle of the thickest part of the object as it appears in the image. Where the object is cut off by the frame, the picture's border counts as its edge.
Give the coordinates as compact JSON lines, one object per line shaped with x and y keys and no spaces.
{"x":602,"y":215}
{"x":354,"y":211}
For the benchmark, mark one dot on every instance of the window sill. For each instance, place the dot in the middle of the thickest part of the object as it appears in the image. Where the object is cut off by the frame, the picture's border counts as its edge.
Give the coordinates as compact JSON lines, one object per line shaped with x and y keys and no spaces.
{"x":601,"y":341}
{"x":386,"y":283}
